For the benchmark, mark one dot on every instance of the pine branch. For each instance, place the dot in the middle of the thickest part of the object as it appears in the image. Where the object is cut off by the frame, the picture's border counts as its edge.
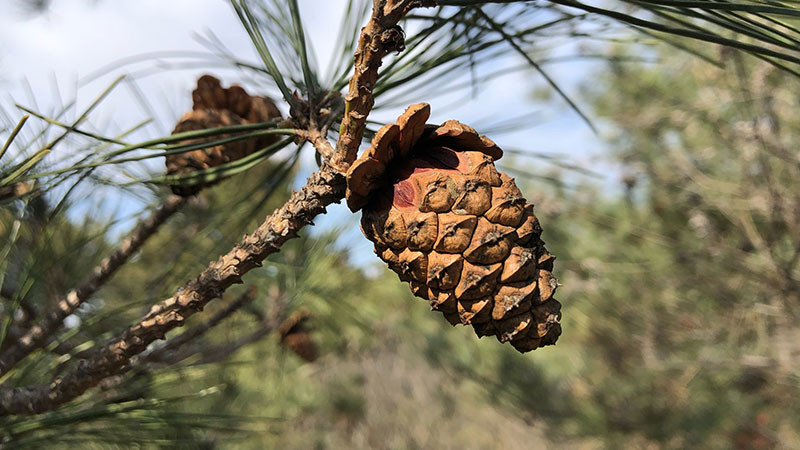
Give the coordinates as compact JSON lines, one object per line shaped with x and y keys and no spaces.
{"x":38,"y":335}
{"x":705,"y":34}
{"x":380,"y":36}
{"x":320,"y":143}
{"x":224,"y":351}
{"x":185,"y":345}
{"x":163,"y":352}
{"x":323,"y":188}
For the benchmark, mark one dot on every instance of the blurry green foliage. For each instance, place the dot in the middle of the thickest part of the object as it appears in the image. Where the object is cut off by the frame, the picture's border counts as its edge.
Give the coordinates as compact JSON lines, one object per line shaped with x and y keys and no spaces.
{"x":681,"y":295}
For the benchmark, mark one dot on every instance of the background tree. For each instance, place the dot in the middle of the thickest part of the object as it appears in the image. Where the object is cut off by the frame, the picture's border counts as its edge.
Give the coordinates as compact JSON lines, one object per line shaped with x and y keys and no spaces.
{"x":681,"y":293}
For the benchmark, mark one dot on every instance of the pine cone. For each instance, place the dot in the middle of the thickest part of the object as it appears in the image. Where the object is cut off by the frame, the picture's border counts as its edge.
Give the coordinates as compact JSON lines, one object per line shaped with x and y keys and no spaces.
{"x":457,"y":230}
{"x":215,"y":106}
{"x":295,"y":336}
{"x":17,"y":189}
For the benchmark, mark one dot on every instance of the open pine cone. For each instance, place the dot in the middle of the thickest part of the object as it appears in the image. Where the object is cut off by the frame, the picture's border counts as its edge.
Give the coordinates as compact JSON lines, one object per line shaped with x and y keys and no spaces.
{"x":215,"y":106}
{"x":457,"y":230}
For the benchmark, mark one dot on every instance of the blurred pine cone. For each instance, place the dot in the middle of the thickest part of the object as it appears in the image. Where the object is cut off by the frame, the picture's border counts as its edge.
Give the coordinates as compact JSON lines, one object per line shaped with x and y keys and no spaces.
{"x":294,"y":334}
{"x":215,"y":106}
{"x":457,"y":230}
{"x":15,"y":190}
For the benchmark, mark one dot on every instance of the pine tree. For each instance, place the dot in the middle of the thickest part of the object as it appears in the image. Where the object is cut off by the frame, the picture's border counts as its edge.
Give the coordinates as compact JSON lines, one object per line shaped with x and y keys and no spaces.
{"x":54,"y":375}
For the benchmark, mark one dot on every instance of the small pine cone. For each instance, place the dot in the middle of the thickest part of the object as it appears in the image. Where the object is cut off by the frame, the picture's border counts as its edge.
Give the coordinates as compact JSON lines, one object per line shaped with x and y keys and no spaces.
{"x":456,"y":229}
{"x":215,"y":106}
{"x":15,"y":190}
{"x":294,"y":335}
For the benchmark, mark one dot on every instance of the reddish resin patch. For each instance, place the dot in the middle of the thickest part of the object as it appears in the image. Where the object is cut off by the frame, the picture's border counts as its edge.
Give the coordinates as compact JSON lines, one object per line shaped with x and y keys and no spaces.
{"x":406,"y":191}
{"x":405,"y":194}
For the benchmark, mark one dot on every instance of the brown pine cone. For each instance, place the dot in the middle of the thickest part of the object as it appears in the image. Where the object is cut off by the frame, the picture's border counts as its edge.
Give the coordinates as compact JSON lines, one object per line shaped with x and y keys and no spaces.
{"x":457,"y":230}
{"x":215,"y":106}
{"x":295,"y":336}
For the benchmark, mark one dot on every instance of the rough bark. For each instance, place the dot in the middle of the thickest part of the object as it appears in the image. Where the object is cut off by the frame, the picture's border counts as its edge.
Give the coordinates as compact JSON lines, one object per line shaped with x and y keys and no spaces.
{"x":163,"y":353}
{"x":378,"y":38}
{"x":323,"y":188}
{"x":38,"y":335}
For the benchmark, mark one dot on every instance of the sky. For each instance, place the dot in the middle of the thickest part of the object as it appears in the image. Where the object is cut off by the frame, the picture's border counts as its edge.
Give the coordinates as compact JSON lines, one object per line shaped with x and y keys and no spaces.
{"x":50,"y":57}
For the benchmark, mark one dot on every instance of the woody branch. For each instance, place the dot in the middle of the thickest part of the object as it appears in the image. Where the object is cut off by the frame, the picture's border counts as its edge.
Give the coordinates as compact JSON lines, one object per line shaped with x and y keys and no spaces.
{"x":379,"y":37}
{"x":37,"y":336}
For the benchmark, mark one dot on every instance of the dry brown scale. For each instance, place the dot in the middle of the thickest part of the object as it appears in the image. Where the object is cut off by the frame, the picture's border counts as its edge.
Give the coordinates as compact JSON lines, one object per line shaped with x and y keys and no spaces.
{"x":213,"y":107}
{"x":457,"y":230}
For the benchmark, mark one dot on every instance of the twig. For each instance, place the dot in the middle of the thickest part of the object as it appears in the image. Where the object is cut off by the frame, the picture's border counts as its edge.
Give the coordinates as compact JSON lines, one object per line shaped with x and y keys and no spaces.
{"x":161,"y":353}
{"x":224,"y":351}
{"x":177,"y":349}
{"x":323,"y":188}
{"x":320,"y":143}
{"x":38,"y":335}
{"x":380,"y":36}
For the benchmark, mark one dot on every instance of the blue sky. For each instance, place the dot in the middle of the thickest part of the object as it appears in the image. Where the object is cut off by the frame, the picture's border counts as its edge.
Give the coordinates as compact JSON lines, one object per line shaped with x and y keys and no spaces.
{"x":53,"y":54}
